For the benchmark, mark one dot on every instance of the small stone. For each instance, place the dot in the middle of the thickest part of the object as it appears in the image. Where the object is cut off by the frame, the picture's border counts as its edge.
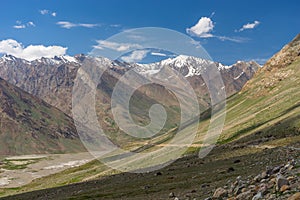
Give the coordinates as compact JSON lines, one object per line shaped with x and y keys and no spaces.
{"x":296,"y":196}
{"x":238,"y":190}
{"x":275,"y":170}
{"x":280,"y":181}
{"x":270,"y":185}
{"x":158,"y":174}
{"x":244,"y":190}
{"x":205,"y":185}
{"x":230,"y":169}
{"x":257,"y":178}
{"x":263,"y":180}
{"x":264,"y":175}
{"x":271,"y":196}
{"x":290,"y":178}
{"x":146,"y":187}
{"x":220,"y":193}
{"x":171,"y":195}
{"x":252,"y":186}
{"x":231,"y":198}
{"x":284,"y":188}
{"x":245,"y":195}
{"x":257,"y":196}
{"x":237,"y":161}
{"x":272,"y":181}
{"x":176,"y":198}
{"x":263,"y":188}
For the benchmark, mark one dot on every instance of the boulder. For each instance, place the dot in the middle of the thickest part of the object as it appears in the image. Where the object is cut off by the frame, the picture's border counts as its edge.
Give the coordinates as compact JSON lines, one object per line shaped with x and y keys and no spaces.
{"x":295,"y":196}
{"x":220,"y":193}
{"x":280,"y":181}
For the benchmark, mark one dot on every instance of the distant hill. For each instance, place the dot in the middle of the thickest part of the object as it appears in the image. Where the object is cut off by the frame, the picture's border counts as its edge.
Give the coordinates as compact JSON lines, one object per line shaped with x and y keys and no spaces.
{"x":28,"y":125}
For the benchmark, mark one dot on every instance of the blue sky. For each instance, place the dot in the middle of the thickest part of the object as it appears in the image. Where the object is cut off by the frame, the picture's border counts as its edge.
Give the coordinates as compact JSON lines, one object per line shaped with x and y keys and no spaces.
{"x":77,"y":25}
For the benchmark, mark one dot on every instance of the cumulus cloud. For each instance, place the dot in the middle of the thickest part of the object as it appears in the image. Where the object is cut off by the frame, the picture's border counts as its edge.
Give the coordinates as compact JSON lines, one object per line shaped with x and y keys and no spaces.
{"x":68,"y":25}
{"x":31,"y":52}
{"x":19,"y":25}
{"x":249,"y":26}
{"x":115,"y":46}
{"x":202,"y":29}
{"x":135,"y":56}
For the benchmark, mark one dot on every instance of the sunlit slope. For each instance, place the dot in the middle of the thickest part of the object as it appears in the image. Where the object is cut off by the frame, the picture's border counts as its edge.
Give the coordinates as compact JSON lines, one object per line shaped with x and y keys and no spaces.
{"x":270,"y":101}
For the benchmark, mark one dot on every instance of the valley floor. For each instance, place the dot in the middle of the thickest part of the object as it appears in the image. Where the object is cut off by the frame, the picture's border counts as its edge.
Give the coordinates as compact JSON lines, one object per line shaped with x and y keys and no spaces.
{"x":188,"y":178}
{"x":17,"y":171}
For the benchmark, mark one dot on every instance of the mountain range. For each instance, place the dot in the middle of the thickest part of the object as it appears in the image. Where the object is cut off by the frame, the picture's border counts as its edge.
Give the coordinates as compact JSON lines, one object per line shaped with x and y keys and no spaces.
{"x":52,"y":80}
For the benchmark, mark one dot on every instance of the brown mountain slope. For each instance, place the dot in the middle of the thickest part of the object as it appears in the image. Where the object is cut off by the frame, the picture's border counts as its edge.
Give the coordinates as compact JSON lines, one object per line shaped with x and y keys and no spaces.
{"x":29,"y":125}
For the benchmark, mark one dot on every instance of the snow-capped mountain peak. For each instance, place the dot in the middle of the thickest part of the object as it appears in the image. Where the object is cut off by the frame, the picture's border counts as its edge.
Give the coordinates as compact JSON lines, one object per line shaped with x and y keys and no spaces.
{"x":186,"y":65}
{"x":56,"y":60}
{"x":66,"y":59}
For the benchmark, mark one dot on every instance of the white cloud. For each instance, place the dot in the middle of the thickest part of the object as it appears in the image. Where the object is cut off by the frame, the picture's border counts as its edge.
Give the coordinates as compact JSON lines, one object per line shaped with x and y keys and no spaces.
{"x":135,"y":56}
{"x":44,"y":12}
{"x":47,"y":12}
{"x":158,"y":54}
{"x":249,"y":26}
{"x":65,"y":24}
{"x":115,"y":25}
{"x":30,"y":24}
{"x":31,"y":52}
{"x":68,"y":25}
{"x":115,"y":46}
{"x":87,"y":25}
{"x":202,"y":29}
{"x":232,"y":39}
{"x":19,"y":26}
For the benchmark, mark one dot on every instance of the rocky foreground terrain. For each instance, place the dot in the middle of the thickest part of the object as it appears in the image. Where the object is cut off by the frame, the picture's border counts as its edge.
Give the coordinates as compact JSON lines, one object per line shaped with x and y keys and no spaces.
{"x":279,"y":182}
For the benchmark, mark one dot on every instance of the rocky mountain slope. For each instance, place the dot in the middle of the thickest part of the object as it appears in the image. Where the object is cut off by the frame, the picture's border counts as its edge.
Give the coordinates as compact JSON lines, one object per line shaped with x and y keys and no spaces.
{"x":48,"y":79}
{"x":29,"y":125}
{"x":286,"y":56}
